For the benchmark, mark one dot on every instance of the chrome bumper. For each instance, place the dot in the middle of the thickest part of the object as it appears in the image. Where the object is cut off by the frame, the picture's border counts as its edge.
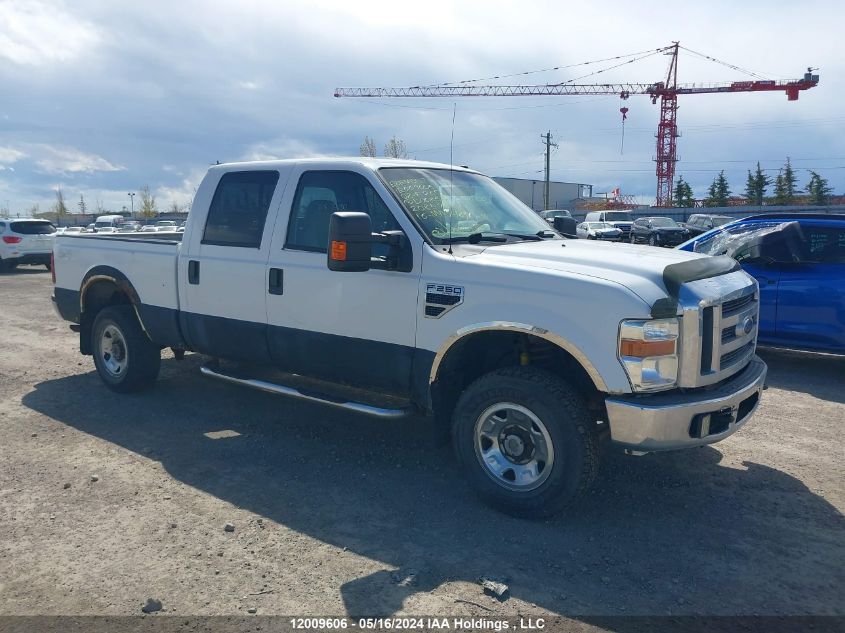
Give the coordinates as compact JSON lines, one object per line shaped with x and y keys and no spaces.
{"x":669,"y":421}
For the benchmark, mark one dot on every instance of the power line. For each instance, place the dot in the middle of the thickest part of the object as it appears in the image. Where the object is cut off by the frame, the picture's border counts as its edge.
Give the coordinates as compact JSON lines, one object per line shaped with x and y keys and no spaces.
{"x":546,"y":70}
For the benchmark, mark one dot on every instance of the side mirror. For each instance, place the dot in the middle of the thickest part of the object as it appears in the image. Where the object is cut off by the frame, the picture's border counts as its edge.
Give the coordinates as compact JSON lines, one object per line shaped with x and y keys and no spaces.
{"x":350,"y":246}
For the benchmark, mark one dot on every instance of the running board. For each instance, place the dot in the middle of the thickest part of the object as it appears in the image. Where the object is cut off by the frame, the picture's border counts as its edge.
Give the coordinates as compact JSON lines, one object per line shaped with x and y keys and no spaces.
{"x":282,"y":390}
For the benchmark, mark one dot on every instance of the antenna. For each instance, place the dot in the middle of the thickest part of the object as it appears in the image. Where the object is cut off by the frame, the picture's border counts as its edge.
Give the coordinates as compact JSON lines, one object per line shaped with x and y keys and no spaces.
{"x":451,"y":167}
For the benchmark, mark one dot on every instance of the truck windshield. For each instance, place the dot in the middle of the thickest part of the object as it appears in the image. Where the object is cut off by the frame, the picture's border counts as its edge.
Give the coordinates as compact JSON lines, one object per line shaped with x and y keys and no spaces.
{"x":462,"y":206}
{"x":617,"y":216}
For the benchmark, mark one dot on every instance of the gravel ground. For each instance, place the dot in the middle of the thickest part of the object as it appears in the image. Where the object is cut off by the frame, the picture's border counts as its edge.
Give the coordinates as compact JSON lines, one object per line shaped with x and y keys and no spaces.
{"x":107,"y":500}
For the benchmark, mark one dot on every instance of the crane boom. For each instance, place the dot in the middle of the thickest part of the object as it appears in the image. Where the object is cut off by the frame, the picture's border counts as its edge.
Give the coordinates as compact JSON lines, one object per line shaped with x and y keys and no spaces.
{"x":666,"y":91}
{"x":653,"y":90}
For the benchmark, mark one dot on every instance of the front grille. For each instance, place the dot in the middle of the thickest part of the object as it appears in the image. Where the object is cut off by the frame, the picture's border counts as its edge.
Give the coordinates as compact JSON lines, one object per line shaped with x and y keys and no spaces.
{"x":733,"y":357}
{"x":736,"y":305}
{"x":728,"y":336}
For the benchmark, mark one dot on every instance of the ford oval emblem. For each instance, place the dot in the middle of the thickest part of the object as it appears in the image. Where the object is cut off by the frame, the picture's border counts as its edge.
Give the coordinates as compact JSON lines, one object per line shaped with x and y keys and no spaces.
{"x":747,"y":325}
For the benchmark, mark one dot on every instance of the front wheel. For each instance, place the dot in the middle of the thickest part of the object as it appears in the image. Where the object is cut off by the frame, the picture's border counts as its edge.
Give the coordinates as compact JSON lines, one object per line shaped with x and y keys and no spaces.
{"x":524,"y":439}
{"x":652,"y":240}
{"x":125,"y":358}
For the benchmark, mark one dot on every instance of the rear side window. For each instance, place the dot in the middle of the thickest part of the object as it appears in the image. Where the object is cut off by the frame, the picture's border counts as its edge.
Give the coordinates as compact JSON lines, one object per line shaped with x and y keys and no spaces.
{"x":32,"y":228}
{"x":321,"y":193}
{"x":239,"y":208}
{"x":825,"y":244}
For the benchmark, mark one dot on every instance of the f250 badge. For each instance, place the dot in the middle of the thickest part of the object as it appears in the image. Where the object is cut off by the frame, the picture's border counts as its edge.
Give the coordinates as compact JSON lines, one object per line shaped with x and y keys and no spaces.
{"x":440,"y":298}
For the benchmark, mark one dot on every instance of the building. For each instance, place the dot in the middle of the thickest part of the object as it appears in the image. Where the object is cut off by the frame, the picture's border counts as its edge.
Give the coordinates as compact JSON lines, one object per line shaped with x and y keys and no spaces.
{"x":562,"y":195}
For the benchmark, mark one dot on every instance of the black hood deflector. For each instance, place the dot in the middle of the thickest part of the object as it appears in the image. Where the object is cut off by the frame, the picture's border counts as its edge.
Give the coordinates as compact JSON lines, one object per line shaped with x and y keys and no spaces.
{"x":675,"y":275}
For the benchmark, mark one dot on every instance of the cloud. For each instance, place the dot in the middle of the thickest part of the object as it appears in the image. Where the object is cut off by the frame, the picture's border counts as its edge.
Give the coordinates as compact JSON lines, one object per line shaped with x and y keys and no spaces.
{"x":35,"y":33}
{"x":282,"y":148}
{"x":67,"y":160}
{"x":9,"y":155}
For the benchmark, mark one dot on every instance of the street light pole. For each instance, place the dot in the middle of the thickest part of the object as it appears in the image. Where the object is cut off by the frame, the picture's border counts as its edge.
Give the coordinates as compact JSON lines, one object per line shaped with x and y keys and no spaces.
{"x":132,"y":200}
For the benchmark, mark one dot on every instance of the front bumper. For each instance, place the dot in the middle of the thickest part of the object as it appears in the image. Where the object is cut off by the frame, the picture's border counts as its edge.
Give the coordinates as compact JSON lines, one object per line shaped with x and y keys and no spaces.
{"x":669,"y":421}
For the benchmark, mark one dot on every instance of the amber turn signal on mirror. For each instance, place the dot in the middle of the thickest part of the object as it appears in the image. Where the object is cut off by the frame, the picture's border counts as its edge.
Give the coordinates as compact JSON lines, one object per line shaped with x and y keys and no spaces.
{"x":338,"y":251}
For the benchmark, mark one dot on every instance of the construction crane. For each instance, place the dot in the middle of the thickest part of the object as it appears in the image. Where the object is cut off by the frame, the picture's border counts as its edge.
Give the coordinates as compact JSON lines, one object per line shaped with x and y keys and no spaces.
{"x":666,"y":91}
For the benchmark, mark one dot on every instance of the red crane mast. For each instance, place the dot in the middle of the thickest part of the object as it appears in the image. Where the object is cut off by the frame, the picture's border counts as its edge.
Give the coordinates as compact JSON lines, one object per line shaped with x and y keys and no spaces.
{"x":666,"y":91}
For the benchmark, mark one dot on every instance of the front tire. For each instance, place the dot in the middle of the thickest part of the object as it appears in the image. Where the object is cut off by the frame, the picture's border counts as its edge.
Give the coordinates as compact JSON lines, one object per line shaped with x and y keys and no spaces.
{"x":652,"y":240}
{"x":524,"y":439}
{"x":125,"y":358}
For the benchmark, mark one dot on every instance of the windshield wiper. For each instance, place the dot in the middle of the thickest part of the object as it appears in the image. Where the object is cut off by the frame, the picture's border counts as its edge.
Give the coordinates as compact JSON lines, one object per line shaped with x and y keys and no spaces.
{"x":475,"y":238}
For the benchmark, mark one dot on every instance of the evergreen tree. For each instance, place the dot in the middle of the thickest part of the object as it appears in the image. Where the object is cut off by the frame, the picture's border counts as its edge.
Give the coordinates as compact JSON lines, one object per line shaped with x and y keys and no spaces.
{"x":718,"y":192}
{"x":683,"y":193}
{"x":780,"y":195}
{"x":819,"y":189}
{"x":755,"y":186}
{"x":789,"y":181}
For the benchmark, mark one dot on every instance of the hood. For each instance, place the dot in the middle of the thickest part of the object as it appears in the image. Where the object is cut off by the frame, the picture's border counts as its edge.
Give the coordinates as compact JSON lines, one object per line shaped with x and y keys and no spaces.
{"x":638,"y":268}
{"x":617,"y":230}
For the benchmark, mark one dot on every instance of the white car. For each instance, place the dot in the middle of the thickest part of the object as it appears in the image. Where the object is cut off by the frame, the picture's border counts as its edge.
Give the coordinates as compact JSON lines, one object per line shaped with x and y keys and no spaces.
{"x":599,"y":231}
{"x":72,"y":230}
{"x":106,"y":229}
{"x":149,"y":228}
{"x":25,"y":241}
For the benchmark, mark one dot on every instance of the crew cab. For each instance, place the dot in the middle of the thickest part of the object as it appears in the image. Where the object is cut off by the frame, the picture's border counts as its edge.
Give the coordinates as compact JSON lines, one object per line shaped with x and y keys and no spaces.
{"x":798,"y":260}
{"x":401,"y":289}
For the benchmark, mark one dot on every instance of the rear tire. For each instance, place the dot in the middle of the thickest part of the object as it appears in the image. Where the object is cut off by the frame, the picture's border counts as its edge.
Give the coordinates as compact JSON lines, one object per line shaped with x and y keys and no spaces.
{"x":525,"y":441}
{"x":7,"y":266}
{"x":125,"y":358}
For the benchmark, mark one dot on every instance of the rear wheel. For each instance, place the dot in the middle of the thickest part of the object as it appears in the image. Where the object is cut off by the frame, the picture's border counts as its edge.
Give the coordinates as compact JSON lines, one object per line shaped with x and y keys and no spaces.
{"x":524,"y":439}
{"x":7,"y":266}
{"x":125,"y":358}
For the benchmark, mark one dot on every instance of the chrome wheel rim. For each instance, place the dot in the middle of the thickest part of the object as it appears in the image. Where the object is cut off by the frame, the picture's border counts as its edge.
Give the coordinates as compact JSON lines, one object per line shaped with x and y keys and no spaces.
{"x":113,"y":351}
{"x":513,"y":446}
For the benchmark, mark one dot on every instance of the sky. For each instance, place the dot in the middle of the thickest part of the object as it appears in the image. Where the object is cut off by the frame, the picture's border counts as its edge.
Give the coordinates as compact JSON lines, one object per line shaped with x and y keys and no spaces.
{"x":102,"y":98}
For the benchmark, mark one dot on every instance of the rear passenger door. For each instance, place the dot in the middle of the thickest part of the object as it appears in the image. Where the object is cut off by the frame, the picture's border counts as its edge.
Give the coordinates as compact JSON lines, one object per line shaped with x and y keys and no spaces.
{"x":223,"y":269}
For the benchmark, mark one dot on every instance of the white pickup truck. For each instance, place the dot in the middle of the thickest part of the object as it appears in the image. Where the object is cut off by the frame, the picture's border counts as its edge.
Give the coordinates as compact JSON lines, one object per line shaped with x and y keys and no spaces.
{"x":397,"y":288}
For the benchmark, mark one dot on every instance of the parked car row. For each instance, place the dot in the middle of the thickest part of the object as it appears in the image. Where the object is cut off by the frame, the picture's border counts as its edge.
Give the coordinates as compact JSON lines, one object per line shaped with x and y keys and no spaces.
{"x":619,"y":226}
{"x":130,"y":226}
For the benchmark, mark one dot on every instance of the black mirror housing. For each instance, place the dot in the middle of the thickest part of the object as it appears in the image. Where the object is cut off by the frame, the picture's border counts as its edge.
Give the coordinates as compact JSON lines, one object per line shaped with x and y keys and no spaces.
{"x":350,"y":246}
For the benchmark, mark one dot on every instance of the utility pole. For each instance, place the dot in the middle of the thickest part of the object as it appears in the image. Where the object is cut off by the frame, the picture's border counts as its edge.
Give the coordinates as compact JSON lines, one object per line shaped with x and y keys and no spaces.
{"x":132,"y":200}
{"x":547,"y":141}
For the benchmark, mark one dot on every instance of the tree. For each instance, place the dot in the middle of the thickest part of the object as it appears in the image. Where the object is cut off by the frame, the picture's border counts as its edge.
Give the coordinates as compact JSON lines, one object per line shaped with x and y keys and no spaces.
{"x":683,"y":193}
{"x":81,"y":204}
{"x":100,"y":208}
{"x":789,"y":181}
{"x":34,"y":211}
{"x":755,"y":186}
{"x":718,"y":192}
{"x":148,"y":203}
{"x":780,"y":196}
{"x":60,"y":208}
{"x":368,"y":147}
{"x":819,"y":189}
{"x":395,"y":148}
{"x":175,"y":207}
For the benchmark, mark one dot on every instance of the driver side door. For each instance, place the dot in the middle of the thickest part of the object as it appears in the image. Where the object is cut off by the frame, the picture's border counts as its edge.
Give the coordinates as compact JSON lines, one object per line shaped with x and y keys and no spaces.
{"x":356,"y":328}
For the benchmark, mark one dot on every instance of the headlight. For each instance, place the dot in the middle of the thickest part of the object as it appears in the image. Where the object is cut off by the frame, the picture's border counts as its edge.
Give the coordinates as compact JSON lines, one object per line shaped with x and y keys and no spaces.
{"x":648,"y":350}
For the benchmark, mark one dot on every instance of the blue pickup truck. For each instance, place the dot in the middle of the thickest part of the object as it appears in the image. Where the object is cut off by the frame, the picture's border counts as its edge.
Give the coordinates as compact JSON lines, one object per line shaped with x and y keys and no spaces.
{"x":799,"y":261}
